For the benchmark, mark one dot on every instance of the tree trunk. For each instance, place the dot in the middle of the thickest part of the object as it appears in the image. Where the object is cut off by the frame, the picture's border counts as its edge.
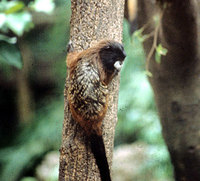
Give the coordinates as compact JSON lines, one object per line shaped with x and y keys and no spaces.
{"x":91,"y":21}
{"x":25,"y":103}
{"x":176,"y":81}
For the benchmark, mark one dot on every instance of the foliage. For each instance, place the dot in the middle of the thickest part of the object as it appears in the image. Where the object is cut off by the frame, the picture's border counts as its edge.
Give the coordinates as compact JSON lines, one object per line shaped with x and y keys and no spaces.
{"x":6,"y":56}
{"x":16,"y":19}
{"x":46,"y":6}
{"x":160,"y":50}
{"x":44,"y":133}
{"x":138,"y":120}
{"x":27,"y":148}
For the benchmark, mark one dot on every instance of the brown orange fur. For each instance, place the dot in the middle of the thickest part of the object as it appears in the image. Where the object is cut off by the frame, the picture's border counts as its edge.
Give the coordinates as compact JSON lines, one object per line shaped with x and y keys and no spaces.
{"x":90,"y":73}
{"x":74,"y":57}
{"x":94,"y":124}
{"x":89,"y":125}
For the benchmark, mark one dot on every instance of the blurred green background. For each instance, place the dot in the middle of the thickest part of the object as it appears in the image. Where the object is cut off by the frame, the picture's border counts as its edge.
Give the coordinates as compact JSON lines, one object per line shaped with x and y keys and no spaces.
{"x":31,"y":94}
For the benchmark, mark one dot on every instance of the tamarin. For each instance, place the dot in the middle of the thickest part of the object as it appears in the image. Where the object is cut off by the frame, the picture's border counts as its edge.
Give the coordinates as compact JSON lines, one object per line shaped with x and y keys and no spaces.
{"x":90,"y":73}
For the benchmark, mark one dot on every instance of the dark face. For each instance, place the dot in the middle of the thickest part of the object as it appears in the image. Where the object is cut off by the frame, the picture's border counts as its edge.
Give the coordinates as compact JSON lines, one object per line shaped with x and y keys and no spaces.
{"x":112,"y":56}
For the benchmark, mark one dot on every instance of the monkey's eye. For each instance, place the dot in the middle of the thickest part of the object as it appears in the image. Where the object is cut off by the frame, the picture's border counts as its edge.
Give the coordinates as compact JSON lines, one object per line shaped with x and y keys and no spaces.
{"x":107,"y":47}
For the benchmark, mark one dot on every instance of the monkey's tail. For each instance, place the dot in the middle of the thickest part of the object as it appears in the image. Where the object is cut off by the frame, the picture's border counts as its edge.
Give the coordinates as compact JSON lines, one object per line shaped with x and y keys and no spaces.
{"x":98,"y":149}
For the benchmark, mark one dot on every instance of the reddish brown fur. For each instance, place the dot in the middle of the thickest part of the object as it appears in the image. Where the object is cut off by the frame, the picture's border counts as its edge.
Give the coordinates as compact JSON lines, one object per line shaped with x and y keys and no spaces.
{"x":88,"y":125}
{"x":90,"y":72}
{"x":94,"y":124}
{"x":74,"y":57}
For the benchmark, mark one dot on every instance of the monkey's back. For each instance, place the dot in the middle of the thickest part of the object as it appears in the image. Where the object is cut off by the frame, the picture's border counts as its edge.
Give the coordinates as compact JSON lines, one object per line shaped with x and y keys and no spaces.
{"x":87,"y":95}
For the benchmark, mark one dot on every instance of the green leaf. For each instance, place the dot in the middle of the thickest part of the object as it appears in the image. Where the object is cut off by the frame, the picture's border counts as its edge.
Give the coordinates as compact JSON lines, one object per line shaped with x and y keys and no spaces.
{"x":2,"y":19}
{"x":138,"y":34}
{"x":3,"y":5}
{"x":19,"y":22}
{"x":15,"y":8}
{"x":7,"y":39}
{"x":160,"y":51}
{"x":46,"y":6}
{"x":10,"y":54}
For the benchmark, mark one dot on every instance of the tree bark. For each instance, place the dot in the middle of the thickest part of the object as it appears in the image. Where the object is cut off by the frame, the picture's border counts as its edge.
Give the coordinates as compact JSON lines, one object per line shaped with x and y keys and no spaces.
{"x":91,"y":21}
{"x":175,"y":81}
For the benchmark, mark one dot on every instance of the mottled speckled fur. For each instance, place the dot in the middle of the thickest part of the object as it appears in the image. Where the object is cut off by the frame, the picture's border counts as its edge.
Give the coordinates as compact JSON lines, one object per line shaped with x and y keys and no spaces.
{"x":90,"y":73}
{"x":88,"y":93}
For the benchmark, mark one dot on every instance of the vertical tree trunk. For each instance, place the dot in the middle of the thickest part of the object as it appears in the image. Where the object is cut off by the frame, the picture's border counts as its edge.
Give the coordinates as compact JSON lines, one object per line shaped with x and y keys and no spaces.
{"x":25,"y":103}
{"x":176,"y":81}
{"x":91,"y":21}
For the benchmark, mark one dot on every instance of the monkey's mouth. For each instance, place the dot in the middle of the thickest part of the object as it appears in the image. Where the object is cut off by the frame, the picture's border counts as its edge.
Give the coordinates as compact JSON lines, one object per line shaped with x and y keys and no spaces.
{"x":118,"y":65}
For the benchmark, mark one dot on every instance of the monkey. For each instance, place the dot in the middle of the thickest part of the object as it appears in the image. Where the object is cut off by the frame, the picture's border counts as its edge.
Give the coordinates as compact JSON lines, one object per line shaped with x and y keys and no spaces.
{"x":90,"y":73}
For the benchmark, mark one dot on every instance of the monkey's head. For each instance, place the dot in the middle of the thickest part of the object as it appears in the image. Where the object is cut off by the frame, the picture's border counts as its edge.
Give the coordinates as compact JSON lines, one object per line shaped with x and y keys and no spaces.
{"x":112,"y":55}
